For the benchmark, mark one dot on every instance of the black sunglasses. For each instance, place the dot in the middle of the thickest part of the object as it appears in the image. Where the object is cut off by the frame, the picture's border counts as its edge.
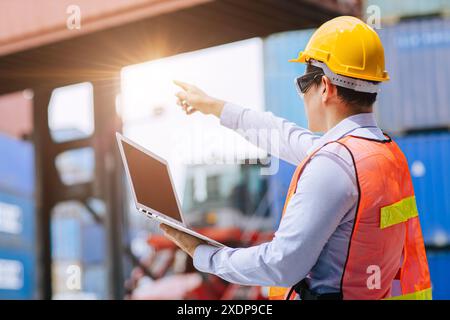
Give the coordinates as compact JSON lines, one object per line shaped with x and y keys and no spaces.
{"x":305,"y":81}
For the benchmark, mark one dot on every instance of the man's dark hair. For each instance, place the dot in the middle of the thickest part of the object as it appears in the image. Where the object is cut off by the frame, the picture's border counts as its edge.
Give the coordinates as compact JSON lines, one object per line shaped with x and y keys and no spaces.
{"x":355,"y":99}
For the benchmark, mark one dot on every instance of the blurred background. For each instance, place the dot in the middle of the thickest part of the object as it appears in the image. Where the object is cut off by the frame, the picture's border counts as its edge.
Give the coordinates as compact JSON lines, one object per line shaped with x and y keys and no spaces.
{"x":72,"y":73}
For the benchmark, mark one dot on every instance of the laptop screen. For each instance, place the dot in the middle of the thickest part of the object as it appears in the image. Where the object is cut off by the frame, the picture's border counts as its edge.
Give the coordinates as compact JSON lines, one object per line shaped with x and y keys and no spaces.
{"x":151,"y":182}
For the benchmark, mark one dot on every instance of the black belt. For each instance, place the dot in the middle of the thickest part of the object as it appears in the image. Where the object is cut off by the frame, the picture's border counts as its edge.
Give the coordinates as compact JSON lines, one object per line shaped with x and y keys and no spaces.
{"x":305,"y":293}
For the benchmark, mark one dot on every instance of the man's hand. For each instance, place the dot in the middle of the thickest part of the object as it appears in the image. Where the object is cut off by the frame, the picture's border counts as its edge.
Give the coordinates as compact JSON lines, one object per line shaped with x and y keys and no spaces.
{"x":193,"y":99}
{"x":185,"y":241}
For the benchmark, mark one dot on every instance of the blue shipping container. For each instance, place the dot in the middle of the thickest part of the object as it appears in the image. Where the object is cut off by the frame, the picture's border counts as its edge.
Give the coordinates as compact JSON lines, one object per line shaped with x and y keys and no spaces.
{"x":17,"y":274}
{"x":66,"y":238}
{"x":93,"y":243}
{"x":278,"y":188}
{"x":95,"y":280}
{"x":418,"y":61}
{"x":75,"y":235}
{"x":282,"y":100}
{"x":16,"y":166}
{"x":429,"y":158}
{"x":439,"y":264}
{"x":17,"y":222}
{"x":281,"y":97}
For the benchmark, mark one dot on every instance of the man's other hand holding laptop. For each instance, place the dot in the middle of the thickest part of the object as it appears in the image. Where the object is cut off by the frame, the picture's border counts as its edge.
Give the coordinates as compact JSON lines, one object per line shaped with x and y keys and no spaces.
{"x":185,"y":241}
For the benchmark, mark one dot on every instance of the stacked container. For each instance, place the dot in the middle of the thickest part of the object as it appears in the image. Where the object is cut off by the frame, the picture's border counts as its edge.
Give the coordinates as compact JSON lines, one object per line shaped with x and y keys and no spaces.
{"x":415,"y":106}
{"x":438,"y":262}
{"x":428,"y":157}
{"x":280,"y":94}
{"x":17,"y":219}
{"x":282,"y":99}
{"x":78,"y":253}
{"x":418,"y":61}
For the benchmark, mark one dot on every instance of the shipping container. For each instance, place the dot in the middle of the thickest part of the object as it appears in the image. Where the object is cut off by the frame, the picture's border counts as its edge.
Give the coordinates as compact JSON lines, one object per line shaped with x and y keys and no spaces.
{"x":281,"y":97}
{"x":393,"y":10}
{"x":95,"y":280}
{"x":75,"y":234}
{"x":66,"y":238}
{"x":17,"y":175}
{"x":74,"y":240}
{"x":278,"y":188}
{"x":93,"y":243}
{"x":17,"y":274}
{"x":428,"y":157}
{"x":439,"y":264}
{"x":418,"y":61}
{"x":17,"y":222}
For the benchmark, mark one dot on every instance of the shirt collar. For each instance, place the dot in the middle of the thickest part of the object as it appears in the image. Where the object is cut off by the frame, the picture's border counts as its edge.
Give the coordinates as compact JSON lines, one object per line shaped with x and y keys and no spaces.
{"x":345,"y":127}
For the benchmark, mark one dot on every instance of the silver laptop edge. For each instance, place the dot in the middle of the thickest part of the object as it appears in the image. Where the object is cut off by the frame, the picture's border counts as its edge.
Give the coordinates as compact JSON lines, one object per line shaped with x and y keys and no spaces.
{"x":151,"y":213}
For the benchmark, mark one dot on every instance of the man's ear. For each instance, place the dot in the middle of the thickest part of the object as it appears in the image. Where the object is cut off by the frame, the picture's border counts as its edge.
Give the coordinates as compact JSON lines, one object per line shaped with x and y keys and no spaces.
{"x":329,"y":90}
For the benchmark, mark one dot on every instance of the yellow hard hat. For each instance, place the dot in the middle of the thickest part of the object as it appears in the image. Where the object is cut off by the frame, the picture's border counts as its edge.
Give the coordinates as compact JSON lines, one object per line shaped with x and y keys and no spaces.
{"x":349,"y":47}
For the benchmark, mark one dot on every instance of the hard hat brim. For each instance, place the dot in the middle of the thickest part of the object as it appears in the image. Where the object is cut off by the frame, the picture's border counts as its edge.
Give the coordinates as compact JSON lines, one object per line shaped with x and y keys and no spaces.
{"x":301,"y":58}
{"x":304,"y":58}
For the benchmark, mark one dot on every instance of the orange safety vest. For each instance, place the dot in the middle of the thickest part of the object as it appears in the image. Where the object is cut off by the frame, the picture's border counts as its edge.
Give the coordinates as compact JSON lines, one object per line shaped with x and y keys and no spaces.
{"x":386,"y":235}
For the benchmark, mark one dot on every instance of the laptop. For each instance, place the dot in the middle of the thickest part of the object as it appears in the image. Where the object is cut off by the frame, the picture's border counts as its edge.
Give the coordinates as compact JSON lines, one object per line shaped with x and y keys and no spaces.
{"x":152,"y":187}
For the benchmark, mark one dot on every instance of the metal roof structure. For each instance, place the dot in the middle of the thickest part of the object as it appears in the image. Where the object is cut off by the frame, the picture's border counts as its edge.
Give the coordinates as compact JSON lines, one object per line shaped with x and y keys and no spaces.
{"x":140,"y":30}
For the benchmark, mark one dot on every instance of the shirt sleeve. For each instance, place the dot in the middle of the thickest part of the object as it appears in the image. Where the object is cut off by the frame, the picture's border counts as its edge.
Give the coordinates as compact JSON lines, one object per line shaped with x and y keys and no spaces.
{"x":276,"y":135}
{"x":328,"y":192}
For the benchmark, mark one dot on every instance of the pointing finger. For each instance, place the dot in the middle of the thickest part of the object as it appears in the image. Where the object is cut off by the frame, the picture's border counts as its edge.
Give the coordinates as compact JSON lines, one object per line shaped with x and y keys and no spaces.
{"x":183,"y":85}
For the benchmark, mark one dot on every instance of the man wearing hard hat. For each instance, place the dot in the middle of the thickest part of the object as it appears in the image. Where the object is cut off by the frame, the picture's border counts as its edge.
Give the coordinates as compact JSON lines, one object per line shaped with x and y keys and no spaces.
{"x":350,"y":226}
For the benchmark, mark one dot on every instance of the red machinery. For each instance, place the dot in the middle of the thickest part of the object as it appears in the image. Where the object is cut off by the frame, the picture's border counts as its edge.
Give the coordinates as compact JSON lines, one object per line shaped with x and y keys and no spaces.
{"x":190,"y":284}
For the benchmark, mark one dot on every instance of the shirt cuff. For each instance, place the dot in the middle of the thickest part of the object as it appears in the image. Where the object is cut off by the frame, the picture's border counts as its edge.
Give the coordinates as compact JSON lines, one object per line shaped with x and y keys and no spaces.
{"x":230,"y":115}
{"x":202,"y":257}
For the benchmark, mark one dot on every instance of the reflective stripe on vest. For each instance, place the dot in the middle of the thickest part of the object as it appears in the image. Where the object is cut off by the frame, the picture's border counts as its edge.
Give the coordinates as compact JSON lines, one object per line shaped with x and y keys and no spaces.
{"x":398,"y":212}
{"x":418,"y":295}
{"x":386,"y":235}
